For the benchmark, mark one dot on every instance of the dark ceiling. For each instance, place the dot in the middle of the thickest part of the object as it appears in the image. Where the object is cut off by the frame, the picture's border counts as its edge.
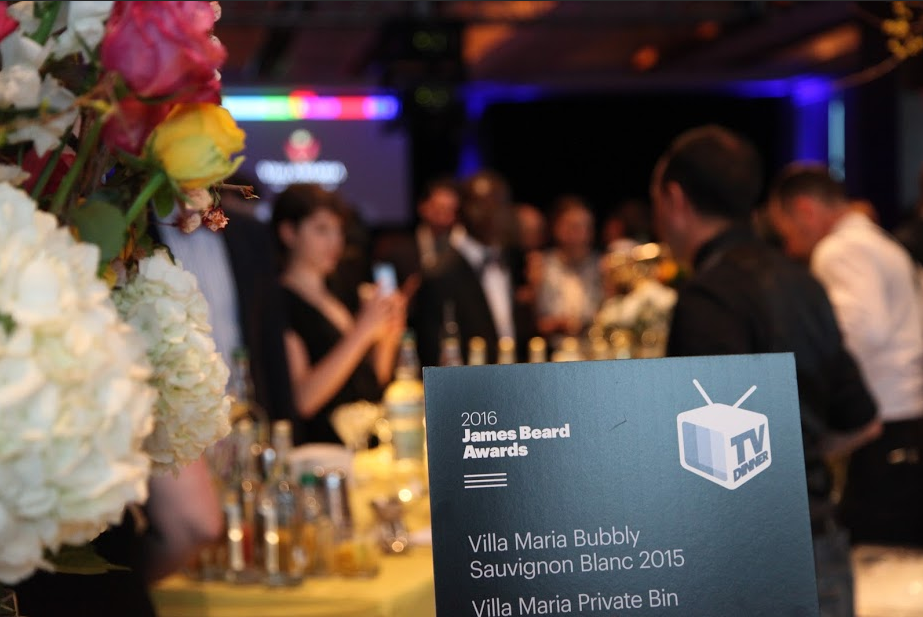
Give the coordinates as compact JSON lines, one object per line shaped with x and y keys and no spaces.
{"x":562,"y":45}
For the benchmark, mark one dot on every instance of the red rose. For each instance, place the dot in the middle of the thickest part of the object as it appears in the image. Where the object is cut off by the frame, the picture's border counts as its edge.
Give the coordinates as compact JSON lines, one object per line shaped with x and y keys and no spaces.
{"x":163,"y":48}
{"x":131,"y":123}
{"x":209,"y":92}
{"x":7,"y":23}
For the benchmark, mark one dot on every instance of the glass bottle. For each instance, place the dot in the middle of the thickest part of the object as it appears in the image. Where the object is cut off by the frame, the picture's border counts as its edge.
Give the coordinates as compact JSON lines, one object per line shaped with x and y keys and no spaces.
{"x":317,"y":532}
{"x":450,"y":352}
{"x":449,"y":342}
{"x":404,"y":403}
{"x":477,"y":351}
{"x":243,"y":399}
{"x":279,"y":510}
{"x":240,"y":506}
{"x":506,"y":350}
{"x":569,"y":351}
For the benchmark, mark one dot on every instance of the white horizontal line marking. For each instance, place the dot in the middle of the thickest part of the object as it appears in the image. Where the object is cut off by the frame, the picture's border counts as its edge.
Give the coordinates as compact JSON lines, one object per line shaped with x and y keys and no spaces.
{"x":485,"y":485}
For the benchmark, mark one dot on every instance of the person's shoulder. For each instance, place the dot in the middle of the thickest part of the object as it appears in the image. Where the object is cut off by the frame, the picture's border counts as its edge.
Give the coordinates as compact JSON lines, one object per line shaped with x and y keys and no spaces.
{"x":752,"y":268}
{"x":859,"y":243}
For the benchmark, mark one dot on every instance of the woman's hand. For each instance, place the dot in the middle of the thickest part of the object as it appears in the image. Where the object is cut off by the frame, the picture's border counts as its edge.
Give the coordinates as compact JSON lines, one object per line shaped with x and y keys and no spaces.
{"x":381,"y":315}
{"x":386,"y":317}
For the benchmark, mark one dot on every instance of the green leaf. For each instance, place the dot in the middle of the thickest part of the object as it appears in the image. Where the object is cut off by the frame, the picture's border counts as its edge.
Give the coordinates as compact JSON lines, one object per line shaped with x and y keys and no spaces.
{"x":81,"y":560}
{"x":164,"y":199}
{"x":7,"y":323}
{"x":103,"y":224}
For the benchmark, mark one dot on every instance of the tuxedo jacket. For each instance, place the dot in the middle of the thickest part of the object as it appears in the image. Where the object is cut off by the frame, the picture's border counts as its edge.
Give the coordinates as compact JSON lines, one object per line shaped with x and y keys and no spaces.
{"x":454,"y":280}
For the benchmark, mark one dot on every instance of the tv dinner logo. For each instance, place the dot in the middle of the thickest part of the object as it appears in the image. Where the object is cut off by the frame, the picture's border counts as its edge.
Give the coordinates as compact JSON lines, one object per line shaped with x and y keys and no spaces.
{"x":723,"y":443}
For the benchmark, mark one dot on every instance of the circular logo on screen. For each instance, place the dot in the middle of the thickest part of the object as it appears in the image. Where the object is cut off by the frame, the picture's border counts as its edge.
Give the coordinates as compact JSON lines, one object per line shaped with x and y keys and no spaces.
{"x":302,"y":146}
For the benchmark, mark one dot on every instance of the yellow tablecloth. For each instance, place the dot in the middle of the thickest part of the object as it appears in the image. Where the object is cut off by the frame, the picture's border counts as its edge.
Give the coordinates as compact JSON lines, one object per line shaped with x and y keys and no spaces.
{"x":403,"y":588}
{"x":889,"y":581}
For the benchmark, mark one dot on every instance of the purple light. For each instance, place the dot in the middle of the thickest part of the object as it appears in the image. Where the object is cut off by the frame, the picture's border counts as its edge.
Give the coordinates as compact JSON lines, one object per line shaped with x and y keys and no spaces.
{"x":809,"y":97}
{"x":380,"y":107}
{"x":478,"y":96}
{"x":771,"y":88}
{"x":810,"y":90}
{"x":323,"y":108}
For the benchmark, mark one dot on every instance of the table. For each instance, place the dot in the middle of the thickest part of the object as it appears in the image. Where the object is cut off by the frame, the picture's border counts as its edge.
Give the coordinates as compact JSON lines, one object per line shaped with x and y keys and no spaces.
{"x":403,"y":588}
{"x":889,"y":581}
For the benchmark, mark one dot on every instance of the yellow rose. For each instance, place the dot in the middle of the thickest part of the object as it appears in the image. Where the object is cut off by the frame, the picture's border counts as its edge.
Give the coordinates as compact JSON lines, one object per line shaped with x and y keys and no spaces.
{"x":194,"y":145}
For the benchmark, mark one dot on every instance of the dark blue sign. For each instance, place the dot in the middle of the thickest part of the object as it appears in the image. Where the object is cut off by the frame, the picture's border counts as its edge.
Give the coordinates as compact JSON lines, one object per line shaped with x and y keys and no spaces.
{"x":627,"y":487}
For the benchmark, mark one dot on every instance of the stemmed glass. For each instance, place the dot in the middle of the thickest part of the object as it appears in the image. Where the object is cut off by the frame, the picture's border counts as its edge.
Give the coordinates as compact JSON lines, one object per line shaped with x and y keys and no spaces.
{"x":355,"y":422}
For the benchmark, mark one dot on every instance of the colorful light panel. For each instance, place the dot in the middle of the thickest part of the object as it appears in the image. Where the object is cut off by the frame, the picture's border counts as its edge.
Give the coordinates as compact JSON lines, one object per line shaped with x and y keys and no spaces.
{"x":309,"y":106}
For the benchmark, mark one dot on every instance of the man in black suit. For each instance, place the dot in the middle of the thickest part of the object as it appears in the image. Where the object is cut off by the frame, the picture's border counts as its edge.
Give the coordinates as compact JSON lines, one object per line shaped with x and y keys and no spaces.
{"x":418,"y":250}
{"x":472,"y":284}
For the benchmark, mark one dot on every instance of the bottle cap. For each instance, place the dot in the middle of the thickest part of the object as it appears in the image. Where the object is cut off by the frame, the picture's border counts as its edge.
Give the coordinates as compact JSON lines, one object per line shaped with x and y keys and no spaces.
{"x":282,"y":427}
{"x":538,"y":349}
{"x":507,"y":350}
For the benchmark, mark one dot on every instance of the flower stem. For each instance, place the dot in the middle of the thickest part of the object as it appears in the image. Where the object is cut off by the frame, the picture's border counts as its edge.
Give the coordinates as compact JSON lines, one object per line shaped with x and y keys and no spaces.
{"x":41,"y":35}
{"x":147,"y":192}
{"x":87,"y":146}
{"x":49,"y":169}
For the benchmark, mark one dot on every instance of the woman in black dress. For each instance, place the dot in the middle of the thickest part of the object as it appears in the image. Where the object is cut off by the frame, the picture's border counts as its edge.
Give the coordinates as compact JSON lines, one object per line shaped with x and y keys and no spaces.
{"x":334,"y":357}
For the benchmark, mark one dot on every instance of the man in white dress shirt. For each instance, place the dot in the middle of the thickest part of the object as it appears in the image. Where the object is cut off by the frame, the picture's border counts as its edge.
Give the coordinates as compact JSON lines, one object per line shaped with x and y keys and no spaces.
{"x":873,"y":286}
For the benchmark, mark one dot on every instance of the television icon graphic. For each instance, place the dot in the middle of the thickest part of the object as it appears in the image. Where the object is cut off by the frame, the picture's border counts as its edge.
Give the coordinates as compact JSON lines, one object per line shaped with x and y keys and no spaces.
{"x":723,"y":443}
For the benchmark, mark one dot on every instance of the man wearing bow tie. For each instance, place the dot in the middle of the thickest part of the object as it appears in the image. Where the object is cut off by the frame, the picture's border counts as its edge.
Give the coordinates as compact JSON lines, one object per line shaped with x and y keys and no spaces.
{"x":472,"y":284}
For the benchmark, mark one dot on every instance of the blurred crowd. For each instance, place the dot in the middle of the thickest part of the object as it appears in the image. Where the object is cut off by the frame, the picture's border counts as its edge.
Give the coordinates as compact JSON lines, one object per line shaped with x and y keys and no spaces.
{"x":757,"y":265}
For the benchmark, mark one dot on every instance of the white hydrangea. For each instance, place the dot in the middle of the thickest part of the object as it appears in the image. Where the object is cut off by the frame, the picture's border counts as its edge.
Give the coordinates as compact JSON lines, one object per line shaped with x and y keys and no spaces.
{"x":164,"y":303}
{"x":75,"y":404}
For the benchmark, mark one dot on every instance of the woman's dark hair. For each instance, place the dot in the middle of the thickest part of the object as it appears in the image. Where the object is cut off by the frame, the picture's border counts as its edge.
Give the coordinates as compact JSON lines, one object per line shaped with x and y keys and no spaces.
{"x":296,"y":203}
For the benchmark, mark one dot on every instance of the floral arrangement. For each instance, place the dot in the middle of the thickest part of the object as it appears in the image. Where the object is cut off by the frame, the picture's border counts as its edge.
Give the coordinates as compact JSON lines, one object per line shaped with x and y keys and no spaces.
{"x":648,"y":304}
{"x":635,"y":318}
{"x":109,"y":113}
{"x":75,"y":401}
{"x":164,"y":304}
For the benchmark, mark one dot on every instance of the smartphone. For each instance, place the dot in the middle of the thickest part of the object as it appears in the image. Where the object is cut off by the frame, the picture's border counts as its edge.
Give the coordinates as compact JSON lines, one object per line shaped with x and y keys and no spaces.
{"x":385,"y":277}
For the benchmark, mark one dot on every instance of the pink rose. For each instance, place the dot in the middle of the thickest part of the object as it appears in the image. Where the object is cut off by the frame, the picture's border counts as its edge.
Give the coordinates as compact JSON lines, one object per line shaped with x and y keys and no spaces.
{"x":163,"y":49}
{"x":131,"y":122}
{"x":7,"y":23}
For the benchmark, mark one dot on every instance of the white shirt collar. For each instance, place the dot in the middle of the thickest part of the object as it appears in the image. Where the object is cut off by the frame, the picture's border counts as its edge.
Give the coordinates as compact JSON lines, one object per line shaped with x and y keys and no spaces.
{"x":853,"y":219}
{"x":473,"y":251}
